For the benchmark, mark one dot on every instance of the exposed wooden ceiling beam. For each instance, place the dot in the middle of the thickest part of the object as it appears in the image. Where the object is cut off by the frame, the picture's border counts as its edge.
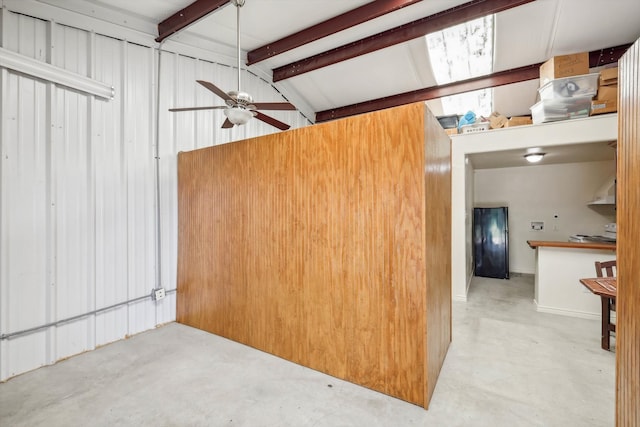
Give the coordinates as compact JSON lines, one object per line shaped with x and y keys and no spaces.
{"x":187,"y":16}
{"x":456,"y":15}
{"x":339,"y":23}
{"x":529,"y":72}
{"x":496,"y":79}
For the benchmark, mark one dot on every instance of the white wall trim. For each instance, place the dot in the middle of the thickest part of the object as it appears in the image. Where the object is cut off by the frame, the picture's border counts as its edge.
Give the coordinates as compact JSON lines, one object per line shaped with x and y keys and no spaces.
{"x":469,"y":279}
{"x":565,"y":312}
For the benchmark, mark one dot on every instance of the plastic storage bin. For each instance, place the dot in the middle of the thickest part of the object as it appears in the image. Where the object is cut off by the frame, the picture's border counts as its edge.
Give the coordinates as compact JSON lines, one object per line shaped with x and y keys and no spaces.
{"x":550,"y":110}
{"x":448,"y":122}
{"x":570,"y":87}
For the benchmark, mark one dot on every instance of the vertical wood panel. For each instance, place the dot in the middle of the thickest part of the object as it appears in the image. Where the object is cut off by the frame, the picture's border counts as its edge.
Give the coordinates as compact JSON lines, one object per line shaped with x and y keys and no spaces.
{"x":437,"y":179}
{"x":310,"y":245}
{"x":628,"y":327}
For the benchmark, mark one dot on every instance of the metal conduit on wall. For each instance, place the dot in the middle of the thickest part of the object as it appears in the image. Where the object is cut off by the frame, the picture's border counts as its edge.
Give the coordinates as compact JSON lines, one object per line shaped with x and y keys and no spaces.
{"x":78,"y":317}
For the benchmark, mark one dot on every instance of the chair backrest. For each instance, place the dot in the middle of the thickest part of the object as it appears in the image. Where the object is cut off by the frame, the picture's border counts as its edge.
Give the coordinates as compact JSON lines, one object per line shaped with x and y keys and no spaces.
{"x":606,"y":268}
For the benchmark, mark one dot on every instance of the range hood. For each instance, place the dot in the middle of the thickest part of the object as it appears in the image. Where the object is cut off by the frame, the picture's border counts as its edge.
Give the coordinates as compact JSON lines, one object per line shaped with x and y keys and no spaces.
{"x":606,"y":194}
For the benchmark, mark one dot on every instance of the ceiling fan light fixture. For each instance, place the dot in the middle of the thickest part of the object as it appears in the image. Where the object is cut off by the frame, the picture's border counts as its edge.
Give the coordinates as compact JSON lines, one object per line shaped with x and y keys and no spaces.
{"x":534,"y":157}
{"x":238,"y":116}
{"x":240,"y":106}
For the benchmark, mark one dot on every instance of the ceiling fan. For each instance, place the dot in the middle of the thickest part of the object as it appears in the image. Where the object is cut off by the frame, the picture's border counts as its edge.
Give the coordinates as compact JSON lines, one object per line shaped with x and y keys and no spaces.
{"x":240,"y":107}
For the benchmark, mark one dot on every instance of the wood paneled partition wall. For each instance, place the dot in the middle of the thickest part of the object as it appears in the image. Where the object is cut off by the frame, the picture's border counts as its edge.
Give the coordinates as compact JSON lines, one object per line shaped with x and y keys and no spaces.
{"x":628,"y":301}
{"x":328,"y":246}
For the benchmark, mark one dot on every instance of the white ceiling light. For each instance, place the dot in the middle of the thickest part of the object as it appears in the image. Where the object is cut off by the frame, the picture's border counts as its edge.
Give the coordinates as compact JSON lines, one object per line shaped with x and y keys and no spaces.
{"x":237,"y":115}
{"x":42,"y":70}
{"x":534,"y":157}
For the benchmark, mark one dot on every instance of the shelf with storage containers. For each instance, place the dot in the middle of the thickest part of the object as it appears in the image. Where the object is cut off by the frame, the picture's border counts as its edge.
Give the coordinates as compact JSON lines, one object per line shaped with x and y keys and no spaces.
{"x":565,"y":98}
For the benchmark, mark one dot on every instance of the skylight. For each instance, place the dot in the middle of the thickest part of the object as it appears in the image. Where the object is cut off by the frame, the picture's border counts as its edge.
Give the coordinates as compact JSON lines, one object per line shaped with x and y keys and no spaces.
{"x":478,"y":101}
{"x":462,"y":52}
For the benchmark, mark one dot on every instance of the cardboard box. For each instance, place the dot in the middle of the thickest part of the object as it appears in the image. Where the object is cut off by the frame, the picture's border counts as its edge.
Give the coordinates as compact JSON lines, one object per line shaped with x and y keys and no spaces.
{"x":518,"y":121}
{"x":607,"y":93}
{"x":609,"y":76}
{"x":604,"y":106}
{"x":564,"y":66}
{"x":451,"y":131}
{"x":497,"y":120}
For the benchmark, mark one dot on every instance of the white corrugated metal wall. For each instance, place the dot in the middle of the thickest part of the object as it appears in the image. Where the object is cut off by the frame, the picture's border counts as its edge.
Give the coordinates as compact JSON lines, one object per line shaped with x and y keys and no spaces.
{"x":78,"y":229}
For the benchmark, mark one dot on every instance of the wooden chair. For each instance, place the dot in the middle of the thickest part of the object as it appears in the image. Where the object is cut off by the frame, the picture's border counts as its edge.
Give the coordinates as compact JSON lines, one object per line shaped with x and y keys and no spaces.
{"x":607,"y":269}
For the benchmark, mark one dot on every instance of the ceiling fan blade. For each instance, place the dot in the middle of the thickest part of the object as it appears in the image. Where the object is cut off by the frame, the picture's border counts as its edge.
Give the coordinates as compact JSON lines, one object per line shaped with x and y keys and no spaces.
{"x":197,"y":108}
{"x":227,"y":124}
{"x":274,"y":106}
{"x":271,"y":121}
{"x":215,"y":89}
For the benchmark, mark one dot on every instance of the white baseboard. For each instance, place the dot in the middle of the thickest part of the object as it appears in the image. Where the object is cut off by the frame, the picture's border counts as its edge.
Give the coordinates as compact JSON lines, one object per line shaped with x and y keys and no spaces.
{"x":521,"y":274}
{"x":462,"y":298}
{"x":565,"y":312}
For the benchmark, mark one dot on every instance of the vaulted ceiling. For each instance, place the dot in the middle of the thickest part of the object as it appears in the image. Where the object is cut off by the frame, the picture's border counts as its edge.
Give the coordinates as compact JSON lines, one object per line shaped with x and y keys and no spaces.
{"x":336,"y":58}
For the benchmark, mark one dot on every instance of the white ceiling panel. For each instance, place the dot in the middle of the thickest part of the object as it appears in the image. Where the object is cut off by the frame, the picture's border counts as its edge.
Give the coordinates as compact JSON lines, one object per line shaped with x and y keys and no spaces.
{"x":585,"y":25}
{"x":154,"y":10}
{"x":525,"y":35}
{"x":139,"y":14}
{"x":264,"y":21}
{"x":507,"y":104}
{"x":382,"y":73}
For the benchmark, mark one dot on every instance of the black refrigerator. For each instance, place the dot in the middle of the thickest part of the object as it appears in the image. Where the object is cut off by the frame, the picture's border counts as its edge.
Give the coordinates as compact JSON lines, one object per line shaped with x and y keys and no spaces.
{"x":491,"y":242}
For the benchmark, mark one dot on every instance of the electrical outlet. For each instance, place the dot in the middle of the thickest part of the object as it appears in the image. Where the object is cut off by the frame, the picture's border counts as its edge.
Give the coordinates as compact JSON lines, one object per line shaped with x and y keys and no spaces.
{"x":158,"y":294}
{"x":537,"y":225}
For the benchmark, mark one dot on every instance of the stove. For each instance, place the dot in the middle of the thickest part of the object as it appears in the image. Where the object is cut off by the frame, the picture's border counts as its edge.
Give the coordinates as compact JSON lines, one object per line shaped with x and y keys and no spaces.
{"x":609,"y":235}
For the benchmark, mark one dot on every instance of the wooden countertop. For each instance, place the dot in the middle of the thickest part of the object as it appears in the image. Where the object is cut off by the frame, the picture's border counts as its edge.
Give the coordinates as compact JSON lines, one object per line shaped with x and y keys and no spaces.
{"x":573,"y":245}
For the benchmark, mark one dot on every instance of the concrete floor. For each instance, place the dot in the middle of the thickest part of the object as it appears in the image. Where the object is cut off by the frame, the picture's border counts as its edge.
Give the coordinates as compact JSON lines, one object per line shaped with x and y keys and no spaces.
{"x":507,"y":366}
